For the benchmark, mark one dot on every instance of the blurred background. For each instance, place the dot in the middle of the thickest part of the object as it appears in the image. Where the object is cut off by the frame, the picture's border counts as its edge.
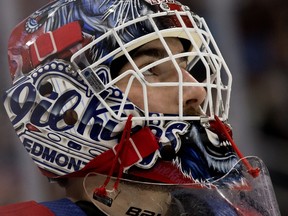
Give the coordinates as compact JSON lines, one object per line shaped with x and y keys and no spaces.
{"x":253,"y":38}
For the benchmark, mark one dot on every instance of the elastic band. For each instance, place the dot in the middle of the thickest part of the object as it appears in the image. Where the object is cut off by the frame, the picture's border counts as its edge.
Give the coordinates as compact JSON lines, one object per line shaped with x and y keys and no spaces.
{"x":252,"y":171}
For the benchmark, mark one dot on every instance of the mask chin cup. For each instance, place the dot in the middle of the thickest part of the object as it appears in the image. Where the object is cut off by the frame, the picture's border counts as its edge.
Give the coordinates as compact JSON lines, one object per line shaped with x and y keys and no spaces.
{"x":236,"y":193}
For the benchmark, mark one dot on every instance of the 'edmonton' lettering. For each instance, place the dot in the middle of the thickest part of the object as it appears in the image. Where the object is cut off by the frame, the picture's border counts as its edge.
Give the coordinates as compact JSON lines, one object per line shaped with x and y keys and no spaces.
{"x":52,"y":156}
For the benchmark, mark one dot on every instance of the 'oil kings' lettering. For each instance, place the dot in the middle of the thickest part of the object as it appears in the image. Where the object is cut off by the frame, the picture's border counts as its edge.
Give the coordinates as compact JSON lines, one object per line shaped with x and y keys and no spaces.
{"x":55,"y":114}
{"x":21,"y":101}
{"x":25,"y":105}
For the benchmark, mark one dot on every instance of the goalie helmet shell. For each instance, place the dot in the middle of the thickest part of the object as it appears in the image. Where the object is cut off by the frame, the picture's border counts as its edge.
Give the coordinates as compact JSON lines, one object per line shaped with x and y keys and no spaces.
{"x":67,"y":110}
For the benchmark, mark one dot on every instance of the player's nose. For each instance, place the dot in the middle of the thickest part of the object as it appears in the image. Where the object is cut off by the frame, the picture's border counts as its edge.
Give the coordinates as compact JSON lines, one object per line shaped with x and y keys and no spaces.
{"x":193,"y":96}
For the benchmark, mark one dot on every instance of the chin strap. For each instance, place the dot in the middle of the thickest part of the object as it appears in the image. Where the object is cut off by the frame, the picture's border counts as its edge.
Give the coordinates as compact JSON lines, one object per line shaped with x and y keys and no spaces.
{"x":129,"y":151}
{"x":101,"y":194}
{"x":251,"y":170}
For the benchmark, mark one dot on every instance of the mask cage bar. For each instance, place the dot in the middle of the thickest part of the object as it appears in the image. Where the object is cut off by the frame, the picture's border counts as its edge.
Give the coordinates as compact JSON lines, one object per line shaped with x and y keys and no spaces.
{"x":221,"y":109}
{"x":221,"y":105}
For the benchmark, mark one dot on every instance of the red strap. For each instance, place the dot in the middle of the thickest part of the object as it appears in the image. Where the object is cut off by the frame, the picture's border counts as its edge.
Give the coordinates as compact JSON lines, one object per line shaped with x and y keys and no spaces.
{"x":140,"y":145}
{"x":30,"y":208}
{"x":55,"y":42}
{"x":253,"y":171}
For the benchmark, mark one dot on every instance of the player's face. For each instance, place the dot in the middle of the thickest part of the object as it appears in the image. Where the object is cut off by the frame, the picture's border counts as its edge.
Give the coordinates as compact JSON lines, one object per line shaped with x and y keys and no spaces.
{"x":163,"y":99}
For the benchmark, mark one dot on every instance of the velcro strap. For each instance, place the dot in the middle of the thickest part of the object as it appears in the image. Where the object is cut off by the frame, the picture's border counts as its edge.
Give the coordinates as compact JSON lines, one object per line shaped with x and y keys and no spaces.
{"x":141,"y":144}
{"x":54,"y":42}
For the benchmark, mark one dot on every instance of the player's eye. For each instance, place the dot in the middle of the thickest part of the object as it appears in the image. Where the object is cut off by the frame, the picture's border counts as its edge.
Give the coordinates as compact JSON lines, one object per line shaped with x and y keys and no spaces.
{"x":197,"y":70}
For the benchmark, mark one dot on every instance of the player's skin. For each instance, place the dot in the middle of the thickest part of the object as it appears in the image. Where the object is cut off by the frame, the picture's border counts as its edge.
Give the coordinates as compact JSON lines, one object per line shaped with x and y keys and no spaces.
{"x":163,"y":99}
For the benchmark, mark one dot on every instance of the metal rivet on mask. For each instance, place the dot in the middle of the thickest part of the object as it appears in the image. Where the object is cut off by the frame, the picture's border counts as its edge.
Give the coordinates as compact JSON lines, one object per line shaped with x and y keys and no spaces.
{"x":164,"y":6}
{"x":167,"y":152}
{"x":46,"y":89}
{"x":70,"y":117}
{"x":205,"y":122}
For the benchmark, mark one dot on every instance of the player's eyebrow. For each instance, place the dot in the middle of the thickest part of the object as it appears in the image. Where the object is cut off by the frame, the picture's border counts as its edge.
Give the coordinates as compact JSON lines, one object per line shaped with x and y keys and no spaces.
{"x":154,"y":53}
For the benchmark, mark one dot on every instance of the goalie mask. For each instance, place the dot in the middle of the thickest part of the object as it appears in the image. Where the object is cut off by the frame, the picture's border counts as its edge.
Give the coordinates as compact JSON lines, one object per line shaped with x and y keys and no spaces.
{"x":104,"y":87}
